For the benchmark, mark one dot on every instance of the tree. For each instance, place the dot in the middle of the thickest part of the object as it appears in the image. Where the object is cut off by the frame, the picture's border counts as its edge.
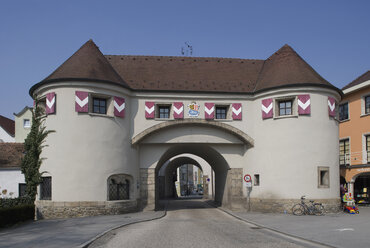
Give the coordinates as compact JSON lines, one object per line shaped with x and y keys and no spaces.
{"x":33,"y":146}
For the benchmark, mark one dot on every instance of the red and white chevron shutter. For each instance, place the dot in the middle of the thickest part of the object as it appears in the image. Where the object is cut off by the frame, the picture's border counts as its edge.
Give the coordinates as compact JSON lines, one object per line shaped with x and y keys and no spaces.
{"x":178,"y":110}
{"x":149,"y":110}
{"x":50,"y":103}
{"x":237,"y":111}
{"x":304,"y":104}
{"x":82,"y":102}
{"x":119,"y":106}
{"x":267,"y":109}
{"x":331,"y":106}
{"x":209,"y":111}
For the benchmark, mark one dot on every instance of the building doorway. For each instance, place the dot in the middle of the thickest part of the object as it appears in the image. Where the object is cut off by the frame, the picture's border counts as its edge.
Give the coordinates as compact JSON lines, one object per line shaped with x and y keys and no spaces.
{"x":361,"y":189}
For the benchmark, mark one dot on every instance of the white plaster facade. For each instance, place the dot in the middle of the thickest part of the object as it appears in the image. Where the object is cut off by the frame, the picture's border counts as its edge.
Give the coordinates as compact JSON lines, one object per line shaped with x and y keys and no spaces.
{"x":5,"y":136}
{"x":23,"y":122}
{"x":10,"y":180}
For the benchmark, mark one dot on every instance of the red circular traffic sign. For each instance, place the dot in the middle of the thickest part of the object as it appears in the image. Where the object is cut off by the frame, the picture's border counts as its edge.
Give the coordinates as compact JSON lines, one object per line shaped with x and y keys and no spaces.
{"x":247,"y":178}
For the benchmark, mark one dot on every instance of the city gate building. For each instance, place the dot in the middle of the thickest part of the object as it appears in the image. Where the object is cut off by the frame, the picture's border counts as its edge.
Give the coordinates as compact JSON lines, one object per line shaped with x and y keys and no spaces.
{"x":119,"y":119}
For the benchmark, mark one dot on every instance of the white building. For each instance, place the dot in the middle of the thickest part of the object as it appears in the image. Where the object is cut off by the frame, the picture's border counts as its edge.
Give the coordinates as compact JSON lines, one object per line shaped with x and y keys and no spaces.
{"x":6,"y":129}
{"x":23,"y":122}
{"x":11,"y":177}
{"x":119,"y":119}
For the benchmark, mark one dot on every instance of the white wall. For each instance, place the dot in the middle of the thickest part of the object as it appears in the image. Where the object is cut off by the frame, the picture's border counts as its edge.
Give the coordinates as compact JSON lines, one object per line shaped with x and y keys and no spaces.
{"x":5,"y":137}
{"x":9,"y":180}
{"x":86,"y":149}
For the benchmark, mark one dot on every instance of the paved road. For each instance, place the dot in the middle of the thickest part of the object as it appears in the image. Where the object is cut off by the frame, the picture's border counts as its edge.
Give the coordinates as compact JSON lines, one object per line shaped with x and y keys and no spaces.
{"x":192,"y":223}
{"x":67,"y":232}
{"x":335,"y":229}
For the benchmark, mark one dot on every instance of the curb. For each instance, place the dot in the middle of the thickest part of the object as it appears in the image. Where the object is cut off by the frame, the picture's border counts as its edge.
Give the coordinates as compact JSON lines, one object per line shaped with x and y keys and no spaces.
{"x":87,"y":243}
{"x":290,"y":236}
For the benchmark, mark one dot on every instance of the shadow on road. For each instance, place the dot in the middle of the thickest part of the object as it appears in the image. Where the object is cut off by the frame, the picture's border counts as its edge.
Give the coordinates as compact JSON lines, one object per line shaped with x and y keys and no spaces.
{"x":185,"y":203}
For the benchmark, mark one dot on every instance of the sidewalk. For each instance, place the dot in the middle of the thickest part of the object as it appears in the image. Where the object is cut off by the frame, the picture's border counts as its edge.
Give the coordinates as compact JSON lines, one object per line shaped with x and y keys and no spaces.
{"x":338,"y":230}
{"x":75,"y":232}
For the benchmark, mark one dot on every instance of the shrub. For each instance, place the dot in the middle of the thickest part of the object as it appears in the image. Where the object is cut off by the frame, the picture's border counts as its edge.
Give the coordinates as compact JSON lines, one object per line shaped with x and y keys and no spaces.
{"x":13,"y":202}
{"x":15,"y":214}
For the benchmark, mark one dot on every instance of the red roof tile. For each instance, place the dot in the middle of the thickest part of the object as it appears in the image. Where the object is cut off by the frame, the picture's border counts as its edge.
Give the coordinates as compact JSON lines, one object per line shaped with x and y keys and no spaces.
{"x":8,"y":125}
{"x":11,"y":155}
{"x":286,"y":67}
{"x":87,"y":64}
{"x":189,"y":74}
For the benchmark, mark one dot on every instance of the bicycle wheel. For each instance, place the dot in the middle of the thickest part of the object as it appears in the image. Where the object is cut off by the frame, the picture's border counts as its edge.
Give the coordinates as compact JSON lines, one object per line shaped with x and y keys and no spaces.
{"x":298,"y":209}
{"x":319,"y":209}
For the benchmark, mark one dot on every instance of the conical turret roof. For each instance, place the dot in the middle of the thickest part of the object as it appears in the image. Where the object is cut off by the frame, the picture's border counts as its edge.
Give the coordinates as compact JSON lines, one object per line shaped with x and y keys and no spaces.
{"x":87,"y":64}
{"x":286,"y":67}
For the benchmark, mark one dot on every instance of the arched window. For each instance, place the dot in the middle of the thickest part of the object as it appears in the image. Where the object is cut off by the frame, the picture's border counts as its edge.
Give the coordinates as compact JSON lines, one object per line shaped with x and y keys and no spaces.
{"x":118,"y":187}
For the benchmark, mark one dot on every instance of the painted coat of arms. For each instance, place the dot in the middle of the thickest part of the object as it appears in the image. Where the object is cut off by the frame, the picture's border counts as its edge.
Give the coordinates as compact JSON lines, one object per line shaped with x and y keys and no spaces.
{"x":193,"y":109}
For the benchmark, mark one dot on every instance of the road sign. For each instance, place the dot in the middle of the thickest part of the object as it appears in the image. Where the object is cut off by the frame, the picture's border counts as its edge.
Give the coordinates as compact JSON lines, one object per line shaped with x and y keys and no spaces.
{"x":248,"y":184}
{"x":247,"y":178}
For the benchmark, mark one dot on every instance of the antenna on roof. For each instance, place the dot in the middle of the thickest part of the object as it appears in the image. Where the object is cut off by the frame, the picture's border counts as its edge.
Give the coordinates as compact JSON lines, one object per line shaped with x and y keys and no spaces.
{"x":188,"y":51}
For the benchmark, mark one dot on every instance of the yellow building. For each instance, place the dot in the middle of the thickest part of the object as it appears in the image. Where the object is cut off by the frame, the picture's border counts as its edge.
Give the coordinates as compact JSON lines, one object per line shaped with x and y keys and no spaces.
{"x":354,"y":134}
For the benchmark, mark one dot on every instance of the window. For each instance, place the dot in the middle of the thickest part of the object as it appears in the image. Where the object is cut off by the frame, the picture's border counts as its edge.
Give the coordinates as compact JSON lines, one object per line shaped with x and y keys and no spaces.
{"x":367,"y":104}
{"x":118,"y":188}
{"x":368,"y":148}
{"x":21,"y":189}
{"x":99,"y":106}
{"x":323,"y":173}
{"x":285,"y":107}
{"x":221,"y":112}
{"x":163,"y":111}
{"x":256,"y":180}
{"x":343,"y":111}
{"x":45,"y":188}
{"x":26,"y":123}
{"x":344,"y":154}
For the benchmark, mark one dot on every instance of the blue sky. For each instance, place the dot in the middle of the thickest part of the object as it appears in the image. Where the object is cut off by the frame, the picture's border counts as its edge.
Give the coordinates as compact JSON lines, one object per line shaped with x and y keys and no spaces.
{"x":38,"y":36}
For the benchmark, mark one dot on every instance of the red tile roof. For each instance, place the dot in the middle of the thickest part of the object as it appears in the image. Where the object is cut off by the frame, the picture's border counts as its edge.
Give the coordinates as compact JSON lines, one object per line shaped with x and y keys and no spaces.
{"x":364,"y":77}
{"x":8,"y":125}
{"x":11,"y":155}
{"x":189,"y":74}
{"x":87,"y":64}
{"x":286,"y":67}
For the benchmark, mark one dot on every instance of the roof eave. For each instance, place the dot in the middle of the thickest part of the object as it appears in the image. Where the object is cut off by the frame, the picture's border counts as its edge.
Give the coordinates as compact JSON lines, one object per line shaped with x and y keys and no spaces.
{"x":356,"y":87}
{"x":300,"y":85}
{"x":34,"y":87}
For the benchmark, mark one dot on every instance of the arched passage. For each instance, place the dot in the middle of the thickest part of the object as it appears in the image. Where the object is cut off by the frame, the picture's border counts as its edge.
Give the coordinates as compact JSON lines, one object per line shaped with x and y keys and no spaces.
{"x":213,"y":158}
{"x":167,"y":175}
{"x":361,"y":188}
{"x":220,"y":145}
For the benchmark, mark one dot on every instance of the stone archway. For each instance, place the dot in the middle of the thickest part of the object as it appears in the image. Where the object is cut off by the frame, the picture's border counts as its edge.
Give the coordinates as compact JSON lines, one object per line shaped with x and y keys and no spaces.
{"x":222,"y":146}
{"x":168,"y":170}
{"x":245,"y":138}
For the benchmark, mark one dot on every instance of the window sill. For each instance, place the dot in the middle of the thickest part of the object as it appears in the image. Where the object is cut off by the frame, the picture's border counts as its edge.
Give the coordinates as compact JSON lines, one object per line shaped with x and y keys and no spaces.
{"x":341,"y":121}
{"x":285,"y":116}
{"x":223,"y":120}
{"x":163,"y":119}
{"x":364,"y":115}
{"x":100,"y":115}
{"x":323,"y":187}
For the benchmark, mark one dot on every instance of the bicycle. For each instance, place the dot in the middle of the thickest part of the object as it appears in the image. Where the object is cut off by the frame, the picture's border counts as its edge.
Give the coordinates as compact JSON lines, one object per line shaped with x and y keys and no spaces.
{"x":302,"y":208}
